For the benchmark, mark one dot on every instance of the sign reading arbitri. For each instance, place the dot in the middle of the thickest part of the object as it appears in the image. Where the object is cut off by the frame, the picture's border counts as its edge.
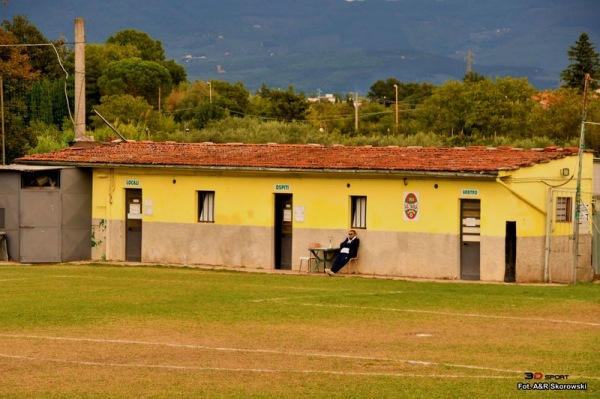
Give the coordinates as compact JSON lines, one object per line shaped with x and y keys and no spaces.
{"x":470,"y":192}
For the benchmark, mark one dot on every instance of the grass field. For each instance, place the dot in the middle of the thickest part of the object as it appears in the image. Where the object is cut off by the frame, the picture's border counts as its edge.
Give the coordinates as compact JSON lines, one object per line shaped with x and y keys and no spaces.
{"x":102,"y":331}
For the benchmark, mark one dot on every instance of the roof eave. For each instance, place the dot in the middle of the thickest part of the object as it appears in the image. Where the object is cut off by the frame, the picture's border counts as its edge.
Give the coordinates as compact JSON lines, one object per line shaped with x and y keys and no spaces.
{"x":488,"y":174}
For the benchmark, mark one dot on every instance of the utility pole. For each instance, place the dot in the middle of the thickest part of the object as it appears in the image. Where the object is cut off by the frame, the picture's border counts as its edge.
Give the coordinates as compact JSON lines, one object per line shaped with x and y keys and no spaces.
{"x":578,"y":189}
{"x":159,"y":98}
{"x":356,"y":105}
{"x":79,"y":80}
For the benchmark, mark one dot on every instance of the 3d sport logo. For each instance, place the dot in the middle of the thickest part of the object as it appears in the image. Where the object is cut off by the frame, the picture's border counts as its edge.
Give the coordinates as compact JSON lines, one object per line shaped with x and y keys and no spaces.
{"x":539,"y":376}
{"x":545,"y":382}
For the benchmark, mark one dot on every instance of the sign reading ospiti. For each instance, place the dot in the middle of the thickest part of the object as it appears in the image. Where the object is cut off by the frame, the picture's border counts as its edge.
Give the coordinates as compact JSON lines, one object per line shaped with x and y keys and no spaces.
{"x":282,"y":187}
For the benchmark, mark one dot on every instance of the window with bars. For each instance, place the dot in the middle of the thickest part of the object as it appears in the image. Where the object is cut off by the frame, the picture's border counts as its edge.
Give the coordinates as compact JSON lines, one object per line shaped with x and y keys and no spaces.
{"x":206,"y":206}
{"x":359,"y":212}
{"x":564,"y":209}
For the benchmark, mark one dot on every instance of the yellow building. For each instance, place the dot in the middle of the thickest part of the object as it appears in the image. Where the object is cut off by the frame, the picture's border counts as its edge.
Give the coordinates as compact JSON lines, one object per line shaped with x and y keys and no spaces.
{"x":475,"y":213}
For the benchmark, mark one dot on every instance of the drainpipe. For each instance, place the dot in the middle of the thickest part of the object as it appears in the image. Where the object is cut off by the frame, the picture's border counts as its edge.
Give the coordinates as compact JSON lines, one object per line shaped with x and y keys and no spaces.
{"x":543,"y":212}
{"x":531,"y":204}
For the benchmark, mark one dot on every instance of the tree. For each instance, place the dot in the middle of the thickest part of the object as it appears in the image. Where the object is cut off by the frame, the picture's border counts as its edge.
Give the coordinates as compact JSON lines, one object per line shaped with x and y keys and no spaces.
{"x":136,"y":77}
{"x":97,"y":59}
{"x":473,"y":77}
{"x":584,"y":59}
{"x":383,"y":91}
{"x":123,"y":108}
{"x":409,"y":93}
{"x":150,"y":50}
{"x":185,"y":99}
{"x":285,"y":105}
{"x":43,"y":58}
{"x":205,"y":113}
{"x":16,"y":74}
{"x":444,"y":113}
{"x":47,"y":101}
{"x":133,"y":117}
{"x":479,"y":108}
{"x":14,"y":62}
{"x":233,"y":98}
{"x":557,"y":114}
{"x":177,"y":72}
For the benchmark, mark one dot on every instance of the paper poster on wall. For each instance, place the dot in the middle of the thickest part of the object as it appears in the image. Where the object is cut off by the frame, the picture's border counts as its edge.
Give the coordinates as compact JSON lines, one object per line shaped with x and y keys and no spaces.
{"x":149,"y":207}
{"x":299,"y":211}
{"x":411,"y":206}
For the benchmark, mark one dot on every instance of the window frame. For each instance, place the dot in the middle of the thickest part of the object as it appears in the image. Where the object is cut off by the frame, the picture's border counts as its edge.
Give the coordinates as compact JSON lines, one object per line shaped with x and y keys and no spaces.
{"x":206,"y":206}
{"x":41,"y":179}
{"x":564,"y":209}
{"x":358,"y":203}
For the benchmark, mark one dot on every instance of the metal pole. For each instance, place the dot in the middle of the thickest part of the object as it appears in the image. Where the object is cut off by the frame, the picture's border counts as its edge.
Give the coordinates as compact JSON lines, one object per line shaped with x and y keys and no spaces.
{"x":396,"y":89}
{"x":578,"y":189}
{"x":209,"y":92}
{"x":2,"y":111}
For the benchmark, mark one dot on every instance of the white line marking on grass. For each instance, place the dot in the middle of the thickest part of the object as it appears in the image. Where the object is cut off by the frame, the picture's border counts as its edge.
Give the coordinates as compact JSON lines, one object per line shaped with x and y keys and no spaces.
{"x":251,"y":370}
{"x":337,"y":294}
{"x":16,"y":279}
{"x":45,"y":278}
{"x":585,"y":323}
{"x":264,"y":351}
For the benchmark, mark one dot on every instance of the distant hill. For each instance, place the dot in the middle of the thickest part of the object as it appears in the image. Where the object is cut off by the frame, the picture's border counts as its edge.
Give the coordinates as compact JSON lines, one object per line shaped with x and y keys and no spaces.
{"x":338,"y":45}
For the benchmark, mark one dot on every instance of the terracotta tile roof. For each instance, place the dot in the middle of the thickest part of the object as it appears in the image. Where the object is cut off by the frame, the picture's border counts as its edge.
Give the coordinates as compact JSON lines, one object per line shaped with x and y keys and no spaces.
{"x":476,"y":159}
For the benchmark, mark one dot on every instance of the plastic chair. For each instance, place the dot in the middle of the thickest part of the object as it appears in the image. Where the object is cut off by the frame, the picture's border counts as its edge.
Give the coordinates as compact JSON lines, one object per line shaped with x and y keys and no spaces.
{"x":350,"y":262}
{"x":308,"y":260}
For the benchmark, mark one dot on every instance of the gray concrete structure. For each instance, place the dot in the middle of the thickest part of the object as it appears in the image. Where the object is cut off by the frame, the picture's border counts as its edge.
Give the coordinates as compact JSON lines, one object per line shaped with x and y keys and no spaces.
{"x":46,"y":213}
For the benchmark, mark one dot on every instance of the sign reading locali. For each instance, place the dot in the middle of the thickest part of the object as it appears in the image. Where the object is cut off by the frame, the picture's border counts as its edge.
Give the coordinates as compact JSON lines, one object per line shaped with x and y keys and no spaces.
{"x":132,"y":183}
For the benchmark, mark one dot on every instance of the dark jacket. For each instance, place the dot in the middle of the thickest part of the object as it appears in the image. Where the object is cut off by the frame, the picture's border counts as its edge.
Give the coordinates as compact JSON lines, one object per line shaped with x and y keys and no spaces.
{"x":353,"y":245}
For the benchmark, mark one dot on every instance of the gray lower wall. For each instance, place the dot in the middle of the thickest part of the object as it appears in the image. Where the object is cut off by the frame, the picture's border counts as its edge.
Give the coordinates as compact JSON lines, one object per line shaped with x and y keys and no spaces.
{"x":398,"y":254}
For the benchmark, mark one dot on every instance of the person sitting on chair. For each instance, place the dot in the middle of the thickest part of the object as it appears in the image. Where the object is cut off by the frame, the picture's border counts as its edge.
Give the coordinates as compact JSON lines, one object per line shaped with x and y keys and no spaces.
{"x":348,"y":250}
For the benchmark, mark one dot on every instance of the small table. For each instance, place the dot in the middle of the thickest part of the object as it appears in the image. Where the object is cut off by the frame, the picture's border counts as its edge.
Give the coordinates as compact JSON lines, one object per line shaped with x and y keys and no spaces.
{"x":323,"y":255}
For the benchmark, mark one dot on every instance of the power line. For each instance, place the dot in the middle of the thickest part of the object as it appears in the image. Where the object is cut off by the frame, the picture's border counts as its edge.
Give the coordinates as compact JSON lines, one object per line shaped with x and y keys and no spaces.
{"x":59,"y":62}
